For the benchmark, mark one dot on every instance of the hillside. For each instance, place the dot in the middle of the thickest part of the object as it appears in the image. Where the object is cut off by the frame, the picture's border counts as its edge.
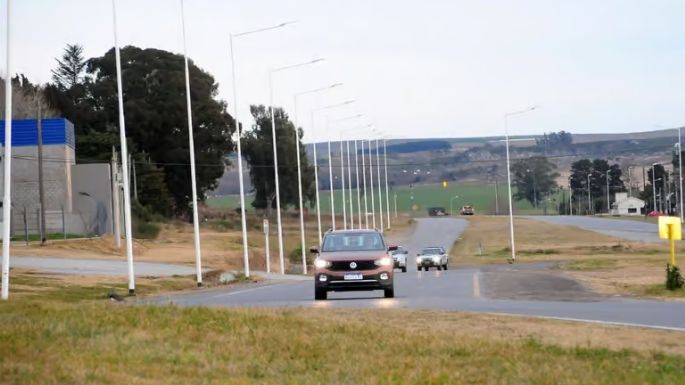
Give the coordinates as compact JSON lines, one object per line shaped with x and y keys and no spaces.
{"x":482,"y":159}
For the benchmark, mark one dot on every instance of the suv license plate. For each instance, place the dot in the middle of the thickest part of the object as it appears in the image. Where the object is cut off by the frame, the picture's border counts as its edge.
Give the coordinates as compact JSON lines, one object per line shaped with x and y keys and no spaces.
{"x":353,"y":276}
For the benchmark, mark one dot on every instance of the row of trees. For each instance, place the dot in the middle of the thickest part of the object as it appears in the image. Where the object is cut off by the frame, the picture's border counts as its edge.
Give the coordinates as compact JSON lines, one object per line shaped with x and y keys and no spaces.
{"x":535,"y":180}
{"x":84,"y":91}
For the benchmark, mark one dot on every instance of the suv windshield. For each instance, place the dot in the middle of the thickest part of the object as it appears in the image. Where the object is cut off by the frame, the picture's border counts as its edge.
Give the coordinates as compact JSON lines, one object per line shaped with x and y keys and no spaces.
{"x":431,"y":251}
{"x":353,"y":242}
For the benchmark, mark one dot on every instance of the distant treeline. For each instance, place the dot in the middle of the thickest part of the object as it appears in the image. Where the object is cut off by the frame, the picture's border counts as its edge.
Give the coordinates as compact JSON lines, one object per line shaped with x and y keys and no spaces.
{"x":417,"y":146}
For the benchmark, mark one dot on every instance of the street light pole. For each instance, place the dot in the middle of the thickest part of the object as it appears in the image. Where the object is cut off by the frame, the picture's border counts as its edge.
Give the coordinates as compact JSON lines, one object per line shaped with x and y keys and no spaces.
{"x":330,"y":165}
{"x":380,"y":190}
{"x":349,"y":185}
{"x":342,"y":183}
{"x":654,"y":184}
{"x":275,"y":153}
{"x":191,"y":147}
{"x":511,"y":206}
{"x":124,"y":159}
{"x":243,"y":217}
{"x":680,"y":170}
{"x":316,"y":165}
{"x":366,"y":204}
{"x":387,"y":198}
{"x":299,"y":169}
{"x":589,"y":194}
{"x":608,"y":193}
{"x":7,"y":177}
{"x":451,"y":204}
{"x":570,"y":197}
{"x":373,"y":205}
{"x":359,"y":199}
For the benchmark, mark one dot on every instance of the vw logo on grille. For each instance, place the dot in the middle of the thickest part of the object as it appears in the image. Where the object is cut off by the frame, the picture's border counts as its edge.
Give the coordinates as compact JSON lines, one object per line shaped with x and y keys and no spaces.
{"x":353,"y":265}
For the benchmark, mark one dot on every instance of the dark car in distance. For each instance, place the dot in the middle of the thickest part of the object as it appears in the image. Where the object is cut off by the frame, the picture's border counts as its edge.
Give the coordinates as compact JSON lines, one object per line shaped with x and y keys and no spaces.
{"x":352,"y":260}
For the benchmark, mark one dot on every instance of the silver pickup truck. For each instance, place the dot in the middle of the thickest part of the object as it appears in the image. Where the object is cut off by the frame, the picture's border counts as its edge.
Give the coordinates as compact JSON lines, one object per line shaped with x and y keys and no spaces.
{"x":432,"y":257}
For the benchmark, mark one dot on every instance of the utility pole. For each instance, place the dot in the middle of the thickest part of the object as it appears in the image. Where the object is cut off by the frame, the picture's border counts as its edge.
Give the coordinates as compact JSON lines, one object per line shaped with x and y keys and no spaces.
{"x":41,"y":184}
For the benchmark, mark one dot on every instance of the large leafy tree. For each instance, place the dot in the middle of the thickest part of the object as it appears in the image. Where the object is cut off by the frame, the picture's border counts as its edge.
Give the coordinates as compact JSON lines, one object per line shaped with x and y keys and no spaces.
{"x":156,"y":117}
{"x":258,"y":152}
{"x":597,"y":171}
{"x":534,"y":178}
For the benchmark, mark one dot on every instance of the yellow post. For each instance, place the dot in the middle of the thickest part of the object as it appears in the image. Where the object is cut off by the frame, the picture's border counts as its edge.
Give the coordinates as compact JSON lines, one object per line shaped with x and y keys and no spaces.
{"x":670,"y":228}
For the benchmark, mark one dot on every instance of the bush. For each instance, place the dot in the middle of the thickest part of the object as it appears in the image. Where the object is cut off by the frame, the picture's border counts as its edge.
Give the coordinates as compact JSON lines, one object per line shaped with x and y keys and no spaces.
{"x":674,"y":280}
{"x":145,"y":230}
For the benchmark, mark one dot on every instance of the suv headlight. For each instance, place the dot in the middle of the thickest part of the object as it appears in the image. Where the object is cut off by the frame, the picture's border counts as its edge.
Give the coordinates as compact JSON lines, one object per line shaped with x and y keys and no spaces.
{"x":419,"y":260}
{"x":321,"y":263}
{"x":436,"y":259}
{"x":385,"y":261}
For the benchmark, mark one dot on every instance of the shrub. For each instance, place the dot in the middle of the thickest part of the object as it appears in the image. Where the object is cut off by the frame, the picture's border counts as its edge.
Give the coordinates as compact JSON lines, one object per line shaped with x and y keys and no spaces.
{"x":674,"y":280}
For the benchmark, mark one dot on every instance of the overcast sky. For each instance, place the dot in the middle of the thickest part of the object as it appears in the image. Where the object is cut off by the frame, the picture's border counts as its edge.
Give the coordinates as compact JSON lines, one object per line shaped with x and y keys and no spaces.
{"x":430,"y":68}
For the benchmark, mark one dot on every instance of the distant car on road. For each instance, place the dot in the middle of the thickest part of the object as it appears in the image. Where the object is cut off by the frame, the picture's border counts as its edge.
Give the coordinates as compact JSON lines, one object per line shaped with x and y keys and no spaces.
{"x":655,"y":214}
{"x":432,"y":257}
{"x":437,"y":211}
{"x":399,"y":258}
{"x":352,"y":260}
{"x":467,"y":210}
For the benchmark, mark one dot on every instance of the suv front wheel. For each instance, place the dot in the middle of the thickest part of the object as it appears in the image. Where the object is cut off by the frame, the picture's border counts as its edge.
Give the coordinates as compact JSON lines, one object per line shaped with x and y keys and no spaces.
{"x":320,"y":295}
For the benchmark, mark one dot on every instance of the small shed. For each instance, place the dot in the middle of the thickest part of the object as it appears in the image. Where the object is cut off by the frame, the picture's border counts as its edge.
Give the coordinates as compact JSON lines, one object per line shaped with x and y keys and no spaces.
{"x":625,"y":205}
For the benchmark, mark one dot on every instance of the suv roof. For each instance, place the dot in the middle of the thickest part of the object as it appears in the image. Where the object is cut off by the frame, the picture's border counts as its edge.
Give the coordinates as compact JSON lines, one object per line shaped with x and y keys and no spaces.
{"x":353,"y":231}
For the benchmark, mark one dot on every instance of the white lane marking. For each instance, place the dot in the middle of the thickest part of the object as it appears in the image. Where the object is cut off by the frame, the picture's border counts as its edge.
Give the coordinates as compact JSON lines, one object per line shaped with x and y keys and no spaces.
{"x":593,"y":321}
{"x":476,"y":285}
{"x":240,"y":291}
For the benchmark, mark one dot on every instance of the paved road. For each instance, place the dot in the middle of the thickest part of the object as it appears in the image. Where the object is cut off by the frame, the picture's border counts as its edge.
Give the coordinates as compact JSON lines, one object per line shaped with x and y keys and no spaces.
{"x":99,"y":267}
{"x":620,"y":228}
{"x":532,"y":289}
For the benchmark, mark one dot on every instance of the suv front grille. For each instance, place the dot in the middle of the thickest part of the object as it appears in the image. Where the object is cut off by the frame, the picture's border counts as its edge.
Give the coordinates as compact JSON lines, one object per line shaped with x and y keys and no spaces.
{"x":345,"y":265}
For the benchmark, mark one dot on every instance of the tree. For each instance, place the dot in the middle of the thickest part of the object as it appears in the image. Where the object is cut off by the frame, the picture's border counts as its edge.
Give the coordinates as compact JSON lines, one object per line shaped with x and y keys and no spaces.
{"x":26,"y":97}
{"x":156,"y":117}
{"x":70,"y":68}
{"x":534,"y":178}
{"x":258,"y":152}
{"x":597,"y":171}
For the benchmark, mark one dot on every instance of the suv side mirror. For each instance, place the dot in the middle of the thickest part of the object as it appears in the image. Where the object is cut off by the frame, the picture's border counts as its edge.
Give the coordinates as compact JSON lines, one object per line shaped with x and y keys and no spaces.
{"x":392,"y":248}
{"x":314,"y":250}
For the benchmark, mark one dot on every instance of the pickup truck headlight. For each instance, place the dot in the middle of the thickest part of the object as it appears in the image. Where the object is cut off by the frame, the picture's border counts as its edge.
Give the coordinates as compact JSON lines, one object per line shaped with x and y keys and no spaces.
{"x":321,"y":263}
{"x":385,"y":261}
{"x":436,"y":259}
{"x":419,"y":260}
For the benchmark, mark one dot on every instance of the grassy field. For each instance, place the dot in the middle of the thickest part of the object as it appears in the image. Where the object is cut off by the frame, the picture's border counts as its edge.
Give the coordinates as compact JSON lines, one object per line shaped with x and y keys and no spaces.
{"x":58,"y":334}
{"x":481,"y":196}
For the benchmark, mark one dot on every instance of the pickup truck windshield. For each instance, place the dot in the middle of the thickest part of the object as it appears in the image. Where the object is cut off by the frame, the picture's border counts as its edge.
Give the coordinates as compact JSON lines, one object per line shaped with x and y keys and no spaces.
{"x":353,"y":242}
{"x":431,"y":251}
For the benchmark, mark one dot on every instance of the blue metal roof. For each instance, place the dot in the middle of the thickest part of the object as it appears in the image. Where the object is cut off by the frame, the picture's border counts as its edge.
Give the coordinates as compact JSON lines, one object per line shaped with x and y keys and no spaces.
{"x":25,"y":132}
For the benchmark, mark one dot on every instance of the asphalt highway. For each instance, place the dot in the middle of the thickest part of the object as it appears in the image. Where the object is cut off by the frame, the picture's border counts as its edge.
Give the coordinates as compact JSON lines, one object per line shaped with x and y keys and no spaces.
{"x":525,"y":289}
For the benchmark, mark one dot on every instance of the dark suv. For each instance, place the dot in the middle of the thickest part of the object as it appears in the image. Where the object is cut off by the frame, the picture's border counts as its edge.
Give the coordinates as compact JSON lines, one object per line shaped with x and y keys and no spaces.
{"x":351,"y":260}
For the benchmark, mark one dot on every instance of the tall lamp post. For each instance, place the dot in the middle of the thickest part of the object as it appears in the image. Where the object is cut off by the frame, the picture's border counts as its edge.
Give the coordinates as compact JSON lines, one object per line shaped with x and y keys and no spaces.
{"x":511,"y":206}
{"x":191,"y":148}
{"x":330,"y":164}
{"x":589,"y":194}
{"x":7,"y":207}
{"x":608,"y":193}
{"x":451,"y":202}
{"x":299,"y":167}
{"x":570,"y":196}
{"x":654,"y":184}
{"x":316,"y":165}
{"x":387,"y":198}
{"x":275,"y":146}
{"x":243,"y":218}
{"x":680,"y":170}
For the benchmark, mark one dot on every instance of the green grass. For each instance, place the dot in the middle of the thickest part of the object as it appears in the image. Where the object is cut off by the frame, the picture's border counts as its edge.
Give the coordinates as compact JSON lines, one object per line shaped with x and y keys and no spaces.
{"x":70,"y":334}
{"x":592,"y":264}
{"x":481,"y":196}
{"x":659,"y":290}
{"x":101,"y":343}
